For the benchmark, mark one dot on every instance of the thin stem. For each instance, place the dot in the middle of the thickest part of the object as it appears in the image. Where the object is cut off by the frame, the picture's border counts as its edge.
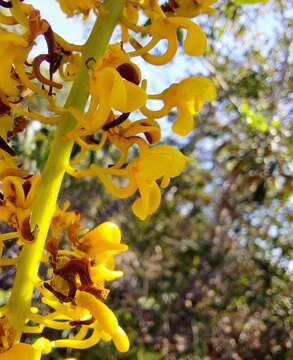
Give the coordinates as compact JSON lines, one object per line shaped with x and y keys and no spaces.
{"x":53,"y":173}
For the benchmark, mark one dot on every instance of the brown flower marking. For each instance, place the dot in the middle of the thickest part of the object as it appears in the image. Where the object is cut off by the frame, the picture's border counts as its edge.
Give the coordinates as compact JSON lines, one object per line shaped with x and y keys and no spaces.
{"x":73,"y":270}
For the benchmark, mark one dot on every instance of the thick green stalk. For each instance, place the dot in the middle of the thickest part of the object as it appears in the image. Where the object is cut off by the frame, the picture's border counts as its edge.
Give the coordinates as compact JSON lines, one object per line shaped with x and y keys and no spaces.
{"x":53,"y":173}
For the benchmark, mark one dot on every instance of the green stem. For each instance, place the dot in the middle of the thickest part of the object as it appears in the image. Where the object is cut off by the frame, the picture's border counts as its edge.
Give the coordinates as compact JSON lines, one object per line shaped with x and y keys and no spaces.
{"x":45,"y":203}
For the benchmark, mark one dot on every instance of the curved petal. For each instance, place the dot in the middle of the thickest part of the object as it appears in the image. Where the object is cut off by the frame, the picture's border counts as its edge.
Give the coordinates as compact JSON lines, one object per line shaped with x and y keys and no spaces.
{"x":121,"y":340}
{"x":198,"y":86}
{"x":118,"y":93}
{"x":136,"y":97}
{"x":100,"y":311}
{"x":7,"y":84}
{"x":148,"y":203}
{"x":160,"y":161}
{"x":183,"y":124}
{"x":7,"y":124}
{"x":167,"y":56}
{"x":149,"y":127}
{"x":195,"y":43}
{"x":109,"y":84}
{"x":155,"y":198}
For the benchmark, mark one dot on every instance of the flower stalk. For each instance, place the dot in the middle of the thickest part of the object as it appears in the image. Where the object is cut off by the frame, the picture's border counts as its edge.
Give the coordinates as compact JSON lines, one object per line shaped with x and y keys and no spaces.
{"x":45,"y":203}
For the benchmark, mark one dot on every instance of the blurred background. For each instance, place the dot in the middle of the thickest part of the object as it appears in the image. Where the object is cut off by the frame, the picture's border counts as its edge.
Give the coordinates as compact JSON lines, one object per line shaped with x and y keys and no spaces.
{"x":209,"y":276}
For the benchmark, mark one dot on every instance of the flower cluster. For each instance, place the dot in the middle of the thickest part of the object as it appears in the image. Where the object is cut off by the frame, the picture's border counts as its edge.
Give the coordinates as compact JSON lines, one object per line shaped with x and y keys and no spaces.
{"x":18,"y":186}
{"x":116,"y":90}
{"x":75,"y":294}
{"x":76,"y":291}
{"x":109,"y":104}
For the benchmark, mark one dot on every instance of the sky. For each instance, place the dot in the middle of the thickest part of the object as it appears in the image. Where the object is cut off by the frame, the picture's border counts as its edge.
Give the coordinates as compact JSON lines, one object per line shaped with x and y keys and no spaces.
{"x":72,"y":29}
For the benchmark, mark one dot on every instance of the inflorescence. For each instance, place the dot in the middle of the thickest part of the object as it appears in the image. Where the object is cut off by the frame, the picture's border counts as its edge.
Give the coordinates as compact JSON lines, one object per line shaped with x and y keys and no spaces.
{"x":73,"y":294}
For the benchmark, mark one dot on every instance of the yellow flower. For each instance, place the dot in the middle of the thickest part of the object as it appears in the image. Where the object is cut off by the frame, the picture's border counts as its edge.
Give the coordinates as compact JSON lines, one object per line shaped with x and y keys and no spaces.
{"x":7,"y":334}
{"x":12,"y":47}
{"x":113,"y":85}
{"x":7,"y":165}
{"x":166,"y":28}
{"x":188,"y":96}
{"x":189,"y":8}
{"x":114,"y":56}
{"x":148,"y":127}
{"x":153,"y":164}
{"x":15,"y":208}
{"x":105,"y":317}
{"x":103,"y":238}
{"x":20,"y":191}
{"x":63,"y":218}
{"x":22,"y":351}
{"x":7,"y":124}
{"x":69,"y":66}
{"x":126,"y":134}
{"x":104,"y":270}
{"x":114,"y":92}
{"x":7,"y":156}
{"x":101,"y":244}
{"x":131,"y":14}
{"x":91,"y":262}
{"x":142,"y":173}
{"x":80,"y":296}
{"x":11,"y":351}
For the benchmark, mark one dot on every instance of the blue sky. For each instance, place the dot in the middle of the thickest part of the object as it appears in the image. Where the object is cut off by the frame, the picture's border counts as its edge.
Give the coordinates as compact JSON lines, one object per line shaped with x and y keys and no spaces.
{"x":72,"y":29}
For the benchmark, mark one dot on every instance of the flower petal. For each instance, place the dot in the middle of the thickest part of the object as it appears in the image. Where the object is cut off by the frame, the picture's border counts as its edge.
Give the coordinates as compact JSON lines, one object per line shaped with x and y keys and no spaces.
{"x":21,"y":351}
{"x":183,"y":124}
{"x":159,"y":161}
{"x":149,"y":201}
{"x":136,"y":97}
{"x":195,"y":43}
